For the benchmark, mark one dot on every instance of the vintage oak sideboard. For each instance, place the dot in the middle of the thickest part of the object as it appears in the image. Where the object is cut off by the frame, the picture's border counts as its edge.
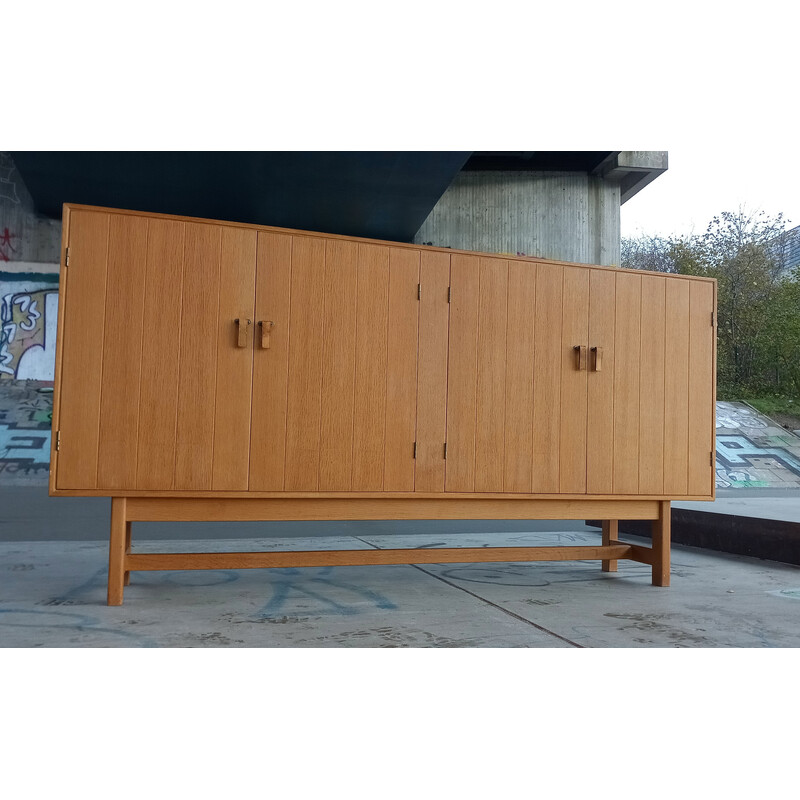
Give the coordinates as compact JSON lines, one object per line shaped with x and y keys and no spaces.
{"x":220,"y":371}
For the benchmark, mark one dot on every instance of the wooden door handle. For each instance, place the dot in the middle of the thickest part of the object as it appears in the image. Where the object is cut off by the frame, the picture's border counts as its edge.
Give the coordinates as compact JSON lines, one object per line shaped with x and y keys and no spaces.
{"x":266,"y":326}
{"x":598,"y":358}
{"x":580,"y":356}
{"x":241,"y":335}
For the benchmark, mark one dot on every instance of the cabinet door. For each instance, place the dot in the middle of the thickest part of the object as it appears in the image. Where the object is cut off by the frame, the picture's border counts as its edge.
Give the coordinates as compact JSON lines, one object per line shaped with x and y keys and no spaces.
{"x":663,"y":383}
{"x":517,"y":389}
{"x":335,"y":380}
{"x":155,"y":393}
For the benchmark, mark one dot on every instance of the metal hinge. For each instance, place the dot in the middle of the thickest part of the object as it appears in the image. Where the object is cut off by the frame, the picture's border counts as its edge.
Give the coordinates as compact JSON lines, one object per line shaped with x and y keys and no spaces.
{"x":449,"y":293}
{"x":445,"y":449}
{"x":58,"y":440}
{"x":712,"y":319}
{"x":419,"y":291}
{"x":711,"y":459}
{"x":66,"y":258}
{"x":415,"y":449}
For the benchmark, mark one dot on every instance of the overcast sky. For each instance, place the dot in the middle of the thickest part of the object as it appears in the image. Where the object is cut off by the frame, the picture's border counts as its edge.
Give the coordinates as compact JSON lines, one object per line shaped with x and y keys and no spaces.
{"x":702,"y":182}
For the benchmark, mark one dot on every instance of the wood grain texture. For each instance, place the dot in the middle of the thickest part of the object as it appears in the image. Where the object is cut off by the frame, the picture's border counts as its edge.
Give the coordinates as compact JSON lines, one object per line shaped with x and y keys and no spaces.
{"x":122,"y":352}
{"x":519,"y":377}
{"x":610,"y":536}
{"x":338,"y":365}
{"x":218,"y":509}
{"x":676,"y":389}
{"x":303,"y":410}
{"x":198,"y":375}
{"x":434,"y":318}
{"x":701,"y":388}
{"x":339,"y":558}
{"x":82,"y":306}
{"x":574,"y":382}
{"x":547,"y":366}
{"x":626,"y":383}
{"x":490,"y":424}
{"x":651,"y":385}
{"x":161,"y":344}
{"x":401,"y":370}
{"x":234,"y":365}
{"x":600,"y":425}
{"x":271,"y":367}
{"x":372,"y":319}
{"x":462,"y":373}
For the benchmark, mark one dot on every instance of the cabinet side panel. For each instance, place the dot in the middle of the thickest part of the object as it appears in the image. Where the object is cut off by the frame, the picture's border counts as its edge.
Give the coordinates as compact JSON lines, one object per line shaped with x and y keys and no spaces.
{"x":198,"y":362}
{"x":158,"y":401}
{"x":234,"y":365}
{"x":676,"y":389}
{"x":372,"y":315}
{"x":122,"y":352}
{"x":305,"y":364}
{"x":462,"y":373}
{"x":651,"y":391}
{"x":338,"y":366}
{"x":626,"y":383}
{"x":519,"y":377}
{"x":271,"y":365}
{"x":600,"y":427}
{"x":434,"y":313}
{"x":491,"y":385}
{"x":83,"y":306}
{"x":547,"y":378}
{"x":701,"y":388}
{"x":574,"y":381}
{"x":401,"y":370}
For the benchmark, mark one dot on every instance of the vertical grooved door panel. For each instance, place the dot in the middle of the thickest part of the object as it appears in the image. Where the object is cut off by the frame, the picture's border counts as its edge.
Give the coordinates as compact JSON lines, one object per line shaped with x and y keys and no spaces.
{"x":574,"y":333}
{"x":434,"y":317}
{"x":490,"y":408}
{"x":338,"y":366}
{"x":547,"y":366}
{"x":369,"y":409}
{"x":82,"y":303}
{"x":519,"y":377}
{"x":198,"y":357}
{"x":701,"y":388}
{"x":676,"y":388}
{"x":270,"y":365}
{"x":158,"y":401}
{"x":626,"y":383}
{"x":305,"y":364}
{"x":234,"y":364}
{"x":600,"y":425}
{"x":651,"y":391}
{"x":122,"y":352}
{"x":462,"y":373}
{"x":401,"y":370}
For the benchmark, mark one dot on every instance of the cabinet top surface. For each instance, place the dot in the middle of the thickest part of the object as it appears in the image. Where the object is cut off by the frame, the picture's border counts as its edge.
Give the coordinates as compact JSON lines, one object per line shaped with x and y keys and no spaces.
{"x":296,"y":232}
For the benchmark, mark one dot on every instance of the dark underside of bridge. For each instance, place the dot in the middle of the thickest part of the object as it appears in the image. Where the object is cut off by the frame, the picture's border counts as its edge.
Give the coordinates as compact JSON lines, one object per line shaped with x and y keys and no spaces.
{"x":378,"y":195}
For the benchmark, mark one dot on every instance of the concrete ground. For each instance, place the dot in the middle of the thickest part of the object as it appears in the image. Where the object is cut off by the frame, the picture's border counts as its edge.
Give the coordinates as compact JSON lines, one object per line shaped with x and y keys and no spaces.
{"x":53,"y":595}
{"x":54,"y":553}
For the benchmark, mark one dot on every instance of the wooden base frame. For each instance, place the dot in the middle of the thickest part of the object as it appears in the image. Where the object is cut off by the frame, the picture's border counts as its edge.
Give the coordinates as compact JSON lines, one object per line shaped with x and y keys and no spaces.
{"x":126,"y":510}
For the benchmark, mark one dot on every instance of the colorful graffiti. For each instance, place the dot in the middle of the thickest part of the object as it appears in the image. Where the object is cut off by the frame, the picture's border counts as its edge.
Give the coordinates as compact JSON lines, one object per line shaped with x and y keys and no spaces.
{"x":26,"y":411}
{"x":742,"y":463}
{"x":27,"y":335}
{"x":8,"y":186}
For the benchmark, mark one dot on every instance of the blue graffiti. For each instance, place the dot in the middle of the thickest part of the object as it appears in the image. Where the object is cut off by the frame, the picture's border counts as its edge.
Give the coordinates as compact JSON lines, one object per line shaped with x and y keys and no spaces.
{"x":296,"y":583}
{"x":735,"y":451}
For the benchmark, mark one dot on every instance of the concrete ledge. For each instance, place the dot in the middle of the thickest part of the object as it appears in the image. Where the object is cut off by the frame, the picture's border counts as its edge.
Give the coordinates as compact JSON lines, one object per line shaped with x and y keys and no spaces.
{"x":772,"y":539}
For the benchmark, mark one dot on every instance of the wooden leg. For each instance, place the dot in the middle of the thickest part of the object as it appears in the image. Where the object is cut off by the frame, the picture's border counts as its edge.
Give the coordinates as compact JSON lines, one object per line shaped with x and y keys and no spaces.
{"x":610,"y":536}
{"x":127,"y":580}
{"x":661,"y":542}
{"x":116,"y":552}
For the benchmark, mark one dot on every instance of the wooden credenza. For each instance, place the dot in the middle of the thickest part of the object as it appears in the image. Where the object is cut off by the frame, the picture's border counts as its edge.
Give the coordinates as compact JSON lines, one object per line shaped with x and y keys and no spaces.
{"x":208,"y":370}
